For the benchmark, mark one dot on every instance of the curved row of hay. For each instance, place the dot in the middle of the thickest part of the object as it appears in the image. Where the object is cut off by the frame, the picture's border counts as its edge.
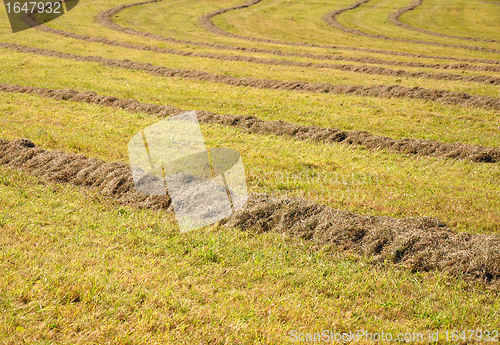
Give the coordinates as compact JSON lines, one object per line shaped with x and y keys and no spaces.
{"x":420,"y":244}
{"x":394,"y":17}
{"x":330,"y":18}
{"x":392,"y":91}
{"x":105,"y":18}
{"x":252,"y":124}
{"x":364,"y":69}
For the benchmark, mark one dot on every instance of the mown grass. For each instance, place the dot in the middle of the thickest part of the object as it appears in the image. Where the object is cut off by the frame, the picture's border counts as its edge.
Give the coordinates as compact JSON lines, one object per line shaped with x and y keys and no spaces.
{"x":82,"y":21}
{"x":302,"y":22}
{"x":81,"y":269}
{"x":395,"y":117}
{"x":454,"y":18}
{"x":238,"y":69}
{"x":241,"y":70}
{"x":87,"y":12}
{"x":377,"y":11}
{"x":78,"y":268}
{"x":459,"y":192}
{"x":179,"y":20}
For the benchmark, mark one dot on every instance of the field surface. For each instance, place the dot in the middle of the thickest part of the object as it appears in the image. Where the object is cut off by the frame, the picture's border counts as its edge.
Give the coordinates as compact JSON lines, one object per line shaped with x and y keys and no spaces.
{"x":370,"y":137}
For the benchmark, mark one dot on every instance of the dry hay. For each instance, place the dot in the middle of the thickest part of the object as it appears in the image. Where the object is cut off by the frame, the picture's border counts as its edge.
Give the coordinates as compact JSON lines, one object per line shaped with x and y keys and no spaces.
{"x":111,"y":179}
{"x":105,"y":18}
{"x":420,"y":244}
{"x":332,"y":21}
{"x":391,"y":91}
{"x":252,"y":124}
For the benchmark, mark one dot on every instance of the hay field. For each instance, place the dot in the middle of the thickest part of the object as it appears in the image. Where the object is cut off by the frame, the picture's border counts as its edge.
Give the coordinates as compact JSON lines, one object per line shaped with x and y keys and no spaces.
{"x":370,"y":135}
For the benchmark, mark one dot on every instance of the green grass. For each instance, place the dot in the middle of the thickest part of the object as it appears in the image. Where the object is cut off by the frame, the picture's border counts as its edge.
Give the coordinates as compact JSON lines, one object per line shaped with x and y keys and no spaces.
{"x":458,"y":192}
{"x":454,"y":18}
{"x":81,"y":269}
{"x":395,"y":117}
{"x":377,"y":11}
{"x":241,"y":70}
{"x":238,"y":69}
{"x":77,"y":267}
{"x":302,"y":22}
{"x":179,"y":20}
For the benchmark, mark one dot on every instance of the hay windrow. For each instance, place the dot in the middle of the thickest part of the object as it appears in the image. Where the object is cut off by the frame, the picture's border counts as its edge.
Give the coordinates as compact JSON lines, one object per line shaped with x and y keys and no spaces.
{"x":252,"y":124}
{"x":206,"y":22}
{"x":419,"y":244}
{"x":110,"y":179}
{"x":394,"y":17}
{"x":365,"y":69}
{"x":391,"y":91}
{"x":105,"y":18}
{"x":330,"y":19}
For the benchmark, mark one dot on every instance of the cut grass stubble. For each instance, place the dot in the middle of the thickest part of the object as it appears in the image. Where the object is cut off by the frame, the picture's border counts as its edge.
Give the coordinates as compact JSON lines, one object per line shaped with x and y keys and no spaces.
{"x":460,"y":193}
